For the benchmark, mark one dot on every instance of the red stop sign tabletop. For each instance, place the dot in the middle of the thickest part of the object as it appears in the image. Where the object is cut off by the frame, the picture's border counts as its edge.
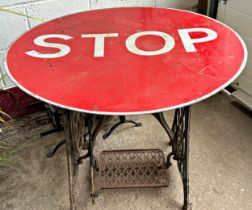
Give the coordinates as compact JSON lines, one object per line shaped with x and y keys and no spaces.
{"x":126,"y":60}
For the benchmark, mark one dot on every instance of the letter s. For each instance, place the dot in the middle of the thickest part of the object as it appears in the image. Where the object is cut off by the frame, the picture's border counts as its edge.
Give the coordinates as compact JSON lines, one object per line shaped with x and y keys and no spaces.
{"x":40,"y":41}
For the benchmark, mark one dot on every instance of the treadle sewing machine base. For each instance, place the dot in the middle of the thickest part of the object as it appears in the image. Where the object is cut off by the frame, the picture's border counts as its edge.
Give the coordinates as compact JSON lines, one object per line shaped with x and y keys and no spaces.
{"x":132,"y":168}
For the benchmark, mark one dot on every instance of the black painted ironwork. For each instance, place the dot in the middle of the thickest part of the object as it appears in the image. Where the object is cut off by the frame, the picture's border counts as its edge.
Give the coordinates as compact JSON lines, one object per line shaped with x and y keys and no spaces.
{"x":55,"y":116}
{"x":180,"y":149}
{"x":179,"y":140}
{"x":122,"y":120}
{"x":55,"y":149}
{"x":92,"y":132}
{"x":161,"y":119}
{"x":78,"y":137}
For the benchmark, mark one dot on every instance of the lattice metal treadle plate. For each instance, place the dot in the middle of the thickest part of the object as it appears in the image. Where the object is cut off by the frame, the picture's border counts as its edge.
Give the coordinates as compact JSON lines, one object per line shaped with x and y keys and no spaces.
{"x":132,"y":168}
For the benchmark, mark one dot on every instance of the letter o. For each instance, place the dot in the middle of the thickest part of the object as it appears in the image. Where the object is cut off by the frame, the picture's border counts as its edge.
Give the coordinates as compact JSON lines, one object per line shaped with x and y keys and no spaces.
{"x":131,"y":43}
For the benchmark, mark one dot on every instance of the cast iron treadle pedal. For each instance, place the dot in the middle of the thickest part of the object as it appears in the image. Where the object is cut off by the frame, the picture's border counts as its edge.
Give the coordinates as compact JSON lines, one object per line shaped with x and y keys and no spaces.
{"x":132,"y":168}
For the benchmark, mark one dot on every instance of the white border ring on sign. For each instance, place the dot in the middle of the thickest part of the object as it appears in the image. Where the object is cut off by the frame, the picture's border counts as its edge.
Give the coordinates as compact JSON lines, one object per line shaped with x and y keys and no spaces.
{"x":243,"y":64}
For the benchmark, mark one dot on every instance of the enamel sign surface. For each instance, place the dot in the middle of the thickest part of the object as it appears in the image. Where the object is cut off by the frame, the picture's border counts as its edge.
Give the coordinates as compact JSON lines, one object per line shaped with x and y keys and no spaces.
{"x":126,"y":60}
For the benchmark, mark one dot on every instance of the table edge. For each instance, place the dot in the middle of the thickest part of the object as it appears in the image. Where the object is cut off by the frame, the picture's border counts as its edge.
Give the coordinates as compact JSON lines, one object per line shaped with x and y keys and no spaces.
{"x":242,"y":66}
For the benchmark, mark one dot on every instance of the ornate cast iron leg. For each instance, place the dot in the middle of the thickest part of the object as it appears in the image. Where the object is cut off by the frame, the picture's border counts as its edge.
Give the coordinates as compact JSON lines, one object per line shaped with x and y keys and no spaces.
{"x":55,"y":117}
{"x":122,"y":120}
{"x":180,"y":149}
{"x":161,"y":119}
{"x":55,"y":149}
{"x":94,"y":125}
{"x":92,"y":134}
{"x":74,"y":132}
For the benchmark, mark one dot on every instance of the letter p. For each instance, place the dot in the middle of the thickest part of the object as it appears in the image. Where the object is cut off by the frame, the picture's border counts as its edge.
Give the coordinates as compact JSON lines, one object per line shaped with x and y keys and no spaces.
{"x":189,"y":42}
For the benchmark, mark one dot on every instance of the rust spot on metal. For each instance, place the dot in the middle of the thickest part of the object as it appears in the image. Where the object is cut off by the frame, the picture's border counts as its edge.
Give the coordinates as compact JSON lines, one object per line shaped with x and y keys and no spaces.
{"x":132,"y":168}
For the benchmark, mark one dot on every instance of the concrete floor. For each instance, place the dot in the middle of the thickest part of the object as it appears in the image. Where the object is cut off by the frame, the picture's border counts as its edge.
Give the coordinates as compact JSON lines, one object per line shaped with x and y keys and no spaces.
{"x":220,"y":164}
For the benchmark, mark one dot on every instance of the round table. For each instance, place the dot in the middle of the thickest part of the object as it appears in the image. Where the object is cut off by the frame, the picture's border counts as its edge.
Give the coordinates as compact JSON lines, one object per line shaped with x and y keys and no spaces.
{"x":125,"y":61}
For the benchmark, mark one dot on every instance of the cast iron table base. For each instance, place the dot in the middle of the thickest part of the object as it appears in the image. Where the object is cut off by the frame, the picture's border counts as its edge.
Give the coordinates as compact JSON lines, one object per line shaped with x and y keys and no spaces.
{"x":122,"y":120}
{"x":74,"y":127}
